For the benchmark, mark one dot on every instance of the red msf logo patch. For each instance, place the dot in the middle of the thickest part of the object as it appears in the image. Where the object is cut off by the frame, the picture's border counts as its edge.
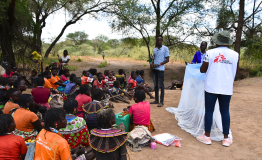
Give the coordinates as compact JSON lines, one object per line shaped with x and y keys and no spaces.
{"x":219,"y":58}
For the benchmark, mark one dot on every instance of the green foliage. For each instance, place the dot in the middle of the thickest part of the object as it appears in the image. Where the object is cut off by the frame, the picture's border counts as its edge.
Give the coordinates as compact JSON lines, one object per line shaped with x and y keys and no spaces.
{"x":99,"y":43}
{"x":78,"y":37}
{"x":103,"y":64}
{"x":79,"y":60}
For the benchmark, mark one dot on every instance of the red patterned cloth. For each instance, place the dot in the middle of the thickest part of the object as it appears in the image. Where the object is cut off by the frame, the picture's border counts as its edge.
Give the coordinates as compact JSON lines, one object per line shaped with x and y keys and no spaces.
{"x":76,"y":132}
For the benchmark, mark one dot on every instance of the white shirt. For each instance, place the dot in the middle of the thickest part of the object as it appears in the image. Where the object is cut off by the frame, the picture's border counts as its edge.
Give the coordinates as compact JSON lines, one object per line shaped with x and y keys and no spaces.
{"x":64,"y":59}
{"x":221,"y":70}
{"x":203,"y":55}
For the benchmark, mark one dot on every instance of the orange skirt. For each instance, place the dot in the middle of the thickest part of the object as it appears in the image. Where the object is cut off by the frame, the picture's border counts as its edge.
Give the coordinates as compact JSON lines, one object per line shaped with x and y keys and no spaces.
{"x":150,"y":127}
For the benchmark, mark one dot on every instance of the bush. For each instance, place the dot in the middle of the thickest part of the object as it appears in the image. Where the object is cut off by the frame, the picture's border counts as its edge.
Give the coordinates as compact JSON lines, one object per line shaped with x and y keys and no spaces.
{"x":103,"y":64}
{"x":79,"y":60}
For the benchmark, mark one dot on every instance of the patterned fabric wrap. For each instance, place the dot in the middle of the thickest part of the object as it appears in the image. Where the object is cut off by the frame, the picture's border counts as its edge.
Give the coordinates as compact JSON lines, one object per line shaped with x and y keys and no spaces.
{"x":63,"y":67}
{"x":81,"y":157}
{"x":37,"y":67}
{"x":26,"y":135}
{"x":76,"y":132}
{"x":106,"y":141}
{"x":150,"y":127}
{"x":93,"y":107}
{"x":30,"y":154}
{"x":62,"y":88}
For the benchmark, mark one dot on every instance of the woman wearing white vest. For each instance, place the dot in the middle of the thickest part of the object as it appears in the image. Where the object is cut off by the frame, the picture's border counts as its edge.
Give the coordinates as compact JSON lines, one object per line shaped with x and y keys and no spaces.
{"x":220,"y":65}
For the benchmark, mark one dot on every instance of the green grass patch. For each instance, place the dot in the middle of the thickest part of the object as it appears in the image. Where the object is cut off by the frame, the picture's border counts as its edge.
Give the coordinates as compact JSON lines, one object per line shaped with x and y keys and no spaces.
{"x":103,"y":64}
{"x":73,"y":68}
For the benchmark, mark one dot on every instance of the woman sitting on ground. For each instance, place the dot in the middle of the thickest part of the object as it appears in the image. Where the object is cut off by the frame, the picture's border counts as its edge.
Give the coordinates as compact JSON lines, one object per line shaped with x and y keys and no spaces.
{"x":93,"y":108}
{"x":75,"y":90}
{"x":132,"y":85}
{"x":40,"y":93}
{"x":11,"y":146}
{"x":70,"y":84}
{"x":50,"y":144}
{"x":76,"y":132}
{"x":109,"y":143}
{"x":140,"y":112}
{"x":20,"y":84}
{"x":13,"y":95}
{"x":83,"y":98}
{"x":27,"y":123}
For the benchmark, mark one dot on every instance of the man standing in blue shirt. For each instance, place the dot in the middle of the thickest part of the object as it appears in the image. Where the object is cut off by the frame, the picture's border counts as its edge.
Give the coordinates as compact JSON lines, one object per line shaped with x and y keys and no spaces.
{"x":160,"y":58}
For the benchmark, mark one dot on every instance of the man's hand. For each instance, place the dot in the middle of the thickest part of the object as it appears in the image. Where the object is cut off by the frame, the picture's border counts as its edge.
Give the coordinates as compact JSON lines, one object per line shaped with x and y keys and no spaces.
{"x":154,"y":65}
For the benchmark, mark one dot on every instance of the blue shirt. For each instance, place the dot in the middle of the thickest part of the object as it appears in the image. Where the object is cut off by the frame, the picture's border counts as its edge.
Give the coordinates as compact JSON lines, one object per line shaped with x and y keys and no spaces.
{"x":159,"y":55}
{"x":139,"y":80}
{"x":68,"y":87}
{"x":199,"y":57}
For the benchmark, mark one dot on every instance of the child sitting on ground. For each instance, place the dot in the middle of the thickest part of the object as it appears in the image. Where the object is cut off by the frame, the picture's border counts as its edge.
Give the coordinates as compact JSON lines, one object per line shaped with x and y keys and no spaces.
{"x":64,"y":80}
{"x":33,"y":77}
{"x":55,"y":80}
{"x":86,"y":79}
{"x":109,"y":143}
{"x":92,"y":109}
{"x":116,"y":90}
{"x":93,"y":73}
{"x":132,"y":85}
{"x":140,"y":112}
{"x":70,"y":84}
{"x":65,"y":75}
{"x":101,"y":84}
{"x":110,"y":79}
{"x":105,"y":74}
{"x":121,"y":78}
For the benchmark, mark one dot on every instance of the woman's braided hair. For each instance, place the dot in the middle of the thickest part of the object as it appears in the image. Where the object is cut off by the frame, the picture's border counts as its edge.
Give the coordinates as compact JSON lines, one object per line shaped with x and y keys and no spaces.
{"x":53,"y":115}
{"x":5,"y":122}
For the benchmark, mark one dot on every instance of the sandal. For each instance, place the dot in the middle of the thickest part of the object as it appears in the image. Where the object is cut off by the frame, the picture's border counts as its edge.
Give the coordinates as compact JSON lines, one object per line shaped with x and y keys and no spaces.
{"x":160,"y":105}
{"x":155,"y":102}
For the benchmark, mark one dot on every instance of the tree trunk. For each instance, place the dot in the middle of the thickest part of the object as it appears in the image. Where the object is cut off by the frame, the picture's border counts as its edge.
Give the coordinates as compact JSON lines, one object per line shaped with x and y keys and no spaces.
{"x":57,"y":38}
{"x":6,"y":37}
{"x":158,"y":18}
{"x":240,"y":25}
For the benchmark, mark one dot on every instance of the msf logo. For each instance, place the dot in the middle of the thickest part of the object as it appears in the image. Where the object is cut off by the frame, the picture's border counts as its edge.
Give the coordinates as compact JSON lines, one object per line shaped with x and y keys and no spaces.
{"x":219,"y":58}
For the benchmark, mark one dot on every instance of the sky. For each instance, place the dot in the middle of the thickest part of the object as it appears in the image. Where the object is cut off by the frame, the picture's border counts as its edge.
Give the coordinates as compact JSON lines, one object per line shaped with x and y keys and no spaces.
{"x":89,"y":25}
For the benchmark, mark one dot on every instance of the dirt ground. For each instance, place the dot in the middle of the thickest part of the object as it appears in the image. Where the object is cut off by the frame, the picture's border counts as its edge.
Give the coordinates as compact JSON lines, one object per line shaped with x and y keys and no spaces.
{"x":245,"y":110}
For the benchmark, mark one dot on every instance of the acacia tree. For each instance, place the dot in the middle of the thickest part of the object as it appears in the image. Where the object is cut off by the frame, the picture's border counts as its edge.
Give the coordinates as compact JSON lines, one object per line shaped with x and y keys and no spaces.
{"x":99,"y":43}
{"x":78,"y":37}
{"x":41,"y":10}
{"x":233,"y":16}
{"x":77,"y":10}
{"x":157,"y":16}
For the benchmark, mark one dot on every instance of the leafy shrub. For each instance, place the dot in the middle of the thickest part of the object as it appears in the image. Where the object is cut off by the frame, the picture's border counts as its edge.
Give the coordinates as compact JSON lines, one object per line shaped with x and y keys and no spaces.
{"x":103,"y":64}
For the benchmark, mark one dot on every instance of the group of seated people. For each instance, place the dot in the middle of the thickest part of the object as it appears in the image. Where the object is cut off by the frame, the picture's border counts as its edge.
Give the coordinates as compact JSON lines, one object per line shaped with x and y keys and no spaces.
{"x":85,"y":120}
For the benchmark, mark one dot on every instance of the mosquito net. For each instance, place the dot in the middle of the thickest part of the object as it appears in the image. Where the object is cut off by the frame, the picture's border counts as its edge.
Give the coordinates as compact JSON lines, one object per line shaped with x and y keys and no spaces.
{"x":190,"y":113}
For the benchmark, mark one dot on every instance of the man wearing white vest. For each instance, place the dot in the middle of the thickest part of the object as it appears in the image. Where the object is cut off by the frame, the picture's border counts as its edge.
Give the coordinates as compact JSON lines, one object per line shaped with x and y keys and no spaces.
{"x":220,"y":65}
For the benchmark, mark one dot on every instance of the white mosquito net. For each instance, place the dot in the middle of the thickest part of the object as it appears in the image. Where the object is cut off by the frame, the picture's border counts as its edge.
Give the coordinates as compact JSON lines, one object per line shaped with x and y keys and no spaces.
{"x":190,"y":113}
